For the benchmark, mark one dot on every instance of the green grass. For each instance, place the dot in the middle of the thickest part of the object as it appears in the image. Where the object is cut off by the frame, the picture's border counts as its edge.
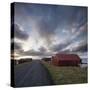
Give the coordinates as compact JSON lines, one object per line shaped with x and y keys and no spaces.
{"x":67,"y":75}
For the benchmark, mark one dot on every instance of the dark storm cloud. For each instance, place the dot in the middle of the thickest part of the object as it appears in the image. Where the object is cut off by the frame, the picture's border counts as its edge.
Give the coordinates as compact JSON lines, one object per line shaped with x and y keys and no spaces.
{"x":81,"y":48}
{"x":42,"y":49}
{"x":16,"y":47}
{"x":16,"y":32}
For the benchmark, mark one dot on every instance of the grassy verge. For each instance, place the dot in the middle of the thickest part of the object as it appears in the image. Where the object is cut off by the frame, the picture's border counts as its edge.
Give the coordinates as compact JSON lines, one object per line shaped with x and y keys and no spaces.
{"x":67,"y":75}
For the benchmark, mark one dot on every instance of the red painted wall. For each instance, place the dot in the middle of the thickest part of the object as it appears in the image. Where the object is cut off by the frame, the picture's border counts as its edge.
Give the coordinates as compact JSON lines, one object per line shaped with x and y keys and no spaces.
{"x":66,"y":60}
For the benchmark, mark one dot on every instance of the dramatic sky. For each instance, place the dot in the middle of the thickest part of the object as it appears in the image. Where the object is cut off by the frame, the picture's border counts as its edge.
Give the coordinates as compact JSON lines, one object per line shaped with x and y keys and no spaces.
{"x":43,"y":30}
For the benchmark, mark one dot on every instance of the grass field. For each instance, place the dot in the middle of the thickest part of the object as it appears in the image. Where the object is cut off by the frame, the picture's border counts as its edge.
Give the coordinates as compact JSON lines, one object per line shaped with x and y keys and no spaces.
{"x":67,"y":75}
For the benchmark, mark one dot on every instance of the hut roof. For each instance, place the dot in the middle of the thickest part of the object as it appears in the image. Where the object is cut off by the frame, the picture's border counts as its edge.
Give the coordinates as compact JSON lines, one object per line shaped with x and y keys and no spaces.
{"x":67,"y":56}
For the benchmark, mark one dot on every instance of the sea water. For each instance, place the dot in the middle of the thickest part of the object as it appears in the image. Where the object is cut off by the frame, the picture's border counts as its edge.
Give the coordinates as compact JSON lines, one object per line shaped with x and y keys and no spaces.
{"x":84,"y":62}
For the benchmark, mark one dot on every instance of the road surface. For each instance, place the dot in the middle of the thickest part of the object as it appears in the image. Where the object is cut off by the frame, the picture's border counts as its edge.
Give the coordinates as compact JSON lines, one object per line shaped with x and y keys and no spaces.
{"x":32,"y":74}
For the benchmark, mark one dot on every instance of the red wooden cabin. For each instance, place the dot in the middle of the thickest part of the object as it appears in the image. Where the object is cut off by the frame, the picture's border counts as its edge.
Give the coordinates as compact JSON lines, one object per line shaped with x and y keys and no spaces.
{"x":66,"y":60}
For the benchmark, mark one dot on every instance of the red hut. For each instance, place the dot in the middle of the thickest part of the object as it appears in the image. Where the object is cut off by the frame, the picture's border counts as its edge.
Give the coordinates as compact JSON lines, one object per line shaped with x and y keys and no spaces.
{"x":66,"y":60}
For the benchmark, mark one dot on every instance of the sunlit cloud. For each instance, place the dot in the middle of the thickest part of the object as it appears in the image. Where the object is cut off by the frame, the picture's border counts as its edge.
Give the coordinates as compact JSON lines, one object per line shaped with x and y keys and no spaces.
{"x":42,"y":30}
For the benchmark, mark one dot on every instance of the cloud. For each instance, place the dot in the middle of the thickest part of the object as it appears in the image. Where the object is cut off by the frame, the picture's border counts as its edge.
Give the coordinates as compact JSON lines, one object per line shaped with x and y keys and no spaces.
{"x":32,"y":53}
{"x":81,"y":30}
{"x":60,"y":46}
{"x":50,"y":29}
{"x":46,"y":31}
{"x":81,"y":48}
{"x":42,"y":49}
{"x":18,"y":33}
{"x":35,"y":53}
{"x":16,"y":47}
{"x":78,"y":46}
